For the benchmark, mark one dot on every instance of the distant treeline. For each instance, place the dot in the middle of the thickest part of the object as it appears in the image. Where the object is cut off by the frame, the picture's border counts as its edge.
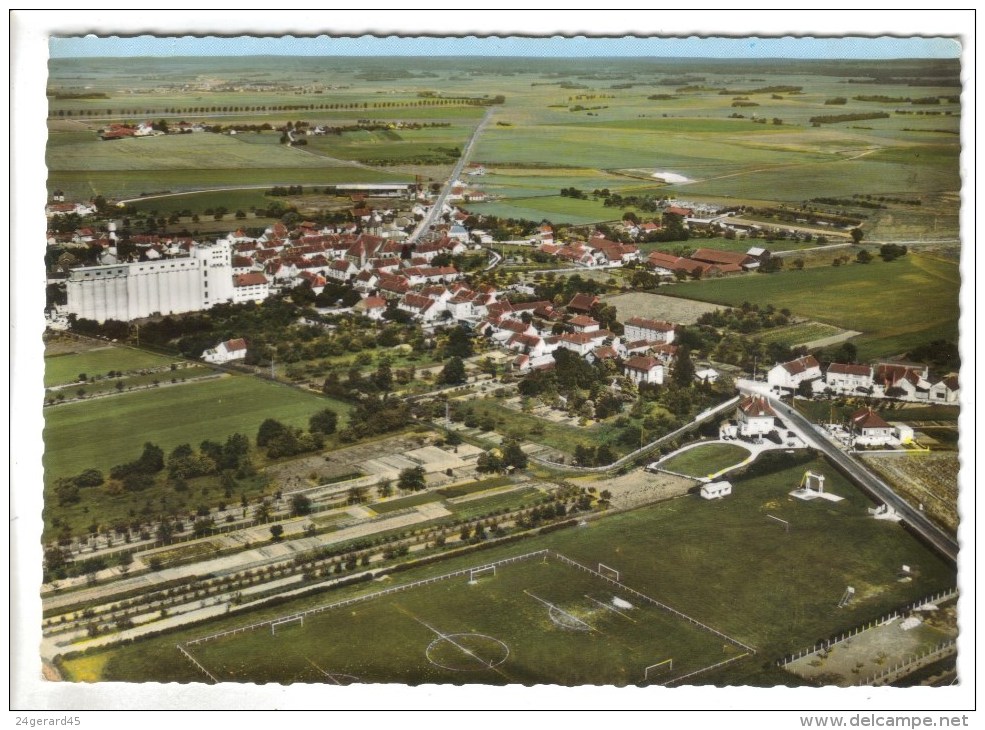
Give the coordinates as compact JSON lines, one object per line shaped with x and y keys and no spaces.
{"x":764,"y":90}
{"x":77,"y":95}
{"x":264,"y":109}
{"x":835,"y":118}
{"x":949,"y":99}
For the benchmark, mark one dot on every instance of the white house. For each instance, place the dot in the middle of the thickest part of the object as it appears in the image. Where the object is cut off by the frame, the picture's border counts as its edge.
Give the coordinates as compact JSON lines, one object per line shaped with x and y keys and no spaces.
{"x":869,"y":428}
{"x":251,"y":287}
{"x":706,"y":375}
{"x":791,"y":374}
{"x":226,"y":351}
{"x":755,"y":417}
{"x":945,"y":391}
{"x":715,"y":490}
{"x":651,"y":330}
{"x":642,"y":369}
{"x":372,"y":307}
{"x":846,"y":378}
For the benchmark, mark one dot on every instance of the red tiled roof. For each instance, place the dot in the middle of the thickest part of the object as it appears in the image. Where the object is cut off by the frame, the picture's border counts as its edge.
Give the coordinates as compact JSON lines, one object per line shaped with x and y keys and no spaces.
{"x":235,"y":345}
{"x":715,"y":256}
{"x":252,"y":279}
{"x":583,"y":302}
{"x":867,"y":418}
{"x":848,"y":369}
{"x":656,"y":325}
{"x":801,"y":364}
{"x":756,"y":407}
{"x":642,"y":363}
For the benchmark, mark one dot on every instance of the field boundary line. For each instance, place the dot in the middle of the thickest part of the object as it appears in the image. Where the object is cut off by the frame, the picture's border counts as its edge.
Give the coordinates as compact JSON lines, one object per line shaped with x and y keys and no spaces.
{"x":652,"y":601}
{"x":370,"y":596}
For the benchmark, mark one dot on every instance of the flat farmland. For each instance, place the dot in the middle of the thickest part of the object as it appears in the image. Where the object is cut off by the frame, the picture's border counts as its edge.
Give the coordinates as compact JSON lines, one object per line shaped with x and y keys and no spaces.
{"x":553,"y":208}
{"x":659,"y":306}
{"x":85,"y":183}
{"x":108,"y":431}
{"x":930,"y":479}
{"x":895,"y":305}
{"x":750,"y":581}
{"x":62,"y":369}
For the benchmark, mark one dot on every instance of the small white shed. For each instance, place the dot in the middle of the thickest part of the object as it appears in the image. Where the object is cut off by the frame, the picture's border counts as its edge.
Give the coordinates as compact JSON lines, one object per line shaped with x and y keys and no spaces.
{"x":716,"y":490}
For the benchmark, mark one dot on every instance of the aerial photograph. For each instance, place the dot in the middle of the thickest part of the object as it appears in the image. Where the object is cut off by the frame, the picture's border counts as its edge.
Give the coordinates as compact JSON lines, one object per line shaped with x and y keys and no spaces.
{"x":501,"y":361}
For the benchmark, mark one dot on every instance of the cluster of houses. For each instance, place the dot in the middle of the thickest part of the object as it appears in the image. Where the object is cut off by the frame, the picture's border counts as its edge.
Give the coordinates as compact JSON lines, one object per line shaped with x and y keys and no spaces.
{"x":903,"y":381}
{"x":598,"y":251}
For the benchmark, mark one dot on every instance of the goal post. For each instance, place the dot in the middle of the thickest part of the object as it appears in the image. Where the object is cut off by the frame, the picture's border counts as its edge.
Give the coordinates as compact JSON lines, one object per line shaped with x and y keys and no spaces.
{"x":285,"y":622}
{"x":659,"y":668}
{"x":608,"y":572}
{"x":476,"y":573}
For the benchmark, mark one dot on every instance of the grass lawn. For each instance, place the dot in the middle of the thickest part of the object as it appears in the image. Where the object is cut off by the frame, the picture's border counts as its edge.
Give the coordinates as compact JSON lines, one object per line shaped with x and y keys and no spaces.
{"x":896,"y":305}
{"x":62,"y":369}
{"x":800,"y":333}
{"x":517,"y":498}
{"x":109,"y":431}
{"x":482,"y":485}
{"x":702,"y":461}
{"x":550,"y":207}
{"x":720,"y":562}
{"x":403,"y":502}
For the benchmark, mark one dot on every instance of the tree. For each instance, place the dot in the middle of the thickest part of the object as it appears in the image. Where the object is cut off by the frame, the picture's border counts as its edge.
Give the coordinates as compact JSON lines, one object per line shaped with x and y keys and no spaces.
{"x":683,"y":373}
{"x":459,"y":343}
{"x":863,"y":256}
{"x":276,"y":532}
{"x":269,"y":430}
{"x":384,"y":488}
{"x":453,"y":373}
{"x":324,"y":421}
{"x":412,"y":479}
{"x":857,"y":235}
{"x":300,"y":505}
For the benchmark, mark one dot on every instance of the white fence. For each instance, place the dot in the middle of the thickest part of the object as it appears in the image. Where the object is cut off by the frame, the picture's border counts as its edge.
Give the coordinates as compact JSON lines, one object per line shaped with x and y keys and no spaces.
{"x":196,"y":663}
{"x":898,"y":613}
{"x":907,"y":665}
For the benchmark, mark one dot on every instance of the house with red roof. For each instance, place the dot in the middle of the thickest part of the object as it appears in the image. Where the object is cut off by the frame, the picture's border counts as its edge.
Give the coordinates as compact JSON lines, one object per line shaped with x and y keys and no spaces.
{"x":644,"y":369}
{"x":372,"y":307}
{"x":867,"y":428}
{"x":252,"y":287}
{"x":582,"y":303}
{"x":755,"y":417}
{"x":650,"y":330}
{"x":226,"y":351}
{"x":789,"y":375}
{"x":848,"y":378}
{"x":945,"y":390}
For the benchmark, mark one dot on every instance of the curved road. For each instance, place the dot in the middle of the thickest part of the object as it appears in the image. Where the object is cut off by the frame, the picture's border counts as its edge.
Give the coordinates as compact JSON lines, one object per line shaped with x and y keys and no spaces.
{"x":913,"y":517}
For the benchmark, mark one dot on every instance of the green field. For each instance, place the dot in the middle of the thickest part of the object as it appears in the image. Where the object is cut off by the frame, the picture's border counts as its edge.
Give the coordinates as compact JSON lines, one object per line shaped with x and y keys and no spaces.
{"x":446,"y":633}
{"x":895,"y":305}
{"x":723,"y":563}
{"x":702,"y":461}
{"x":798,"y":334}
{"x":553,"y":208}
{"x":63,"y":369}
{"x":109,"y":431}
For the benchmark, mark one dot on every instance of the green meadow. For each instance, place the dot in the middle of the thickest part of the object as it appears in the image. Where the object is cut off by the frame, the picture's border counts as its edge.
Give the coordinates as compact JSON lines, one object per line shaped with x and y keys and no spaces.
{"x":895,"y":305}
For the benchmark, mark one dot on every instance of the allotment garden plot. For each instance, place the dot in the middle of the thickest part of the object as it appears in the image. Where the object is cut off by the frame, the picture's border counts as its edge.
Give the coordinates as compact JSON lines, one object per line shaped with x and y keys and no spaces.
{"x":534,"y":619}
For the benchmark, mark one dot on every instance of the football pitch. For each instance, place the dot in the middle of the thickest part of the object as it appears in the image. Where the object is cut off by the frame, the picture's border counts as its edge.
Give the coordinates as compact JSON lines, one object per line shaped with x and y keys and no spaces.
{"x":534,"y":618}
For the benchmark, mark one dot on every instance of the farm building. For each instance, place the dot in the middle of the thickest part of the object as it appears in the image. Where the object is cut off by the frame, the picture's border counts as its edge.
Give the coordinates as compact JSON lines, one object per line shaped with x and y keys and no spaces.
{"x":716,"y":490}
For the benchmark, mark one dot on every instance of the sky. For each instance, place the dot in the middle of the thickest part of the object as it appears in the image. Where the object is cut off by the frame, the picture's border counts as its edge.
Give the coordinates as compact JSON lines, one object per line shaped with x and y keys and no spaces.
{"x":855,"y":47}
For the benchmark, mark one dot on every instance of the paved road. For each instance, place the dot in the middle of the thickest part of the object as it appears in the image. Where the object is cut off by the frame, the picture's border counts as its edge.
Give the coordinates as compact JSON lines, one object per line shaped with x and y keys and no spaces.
{"x":439,"y":202}
{"x":913,"y":517}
